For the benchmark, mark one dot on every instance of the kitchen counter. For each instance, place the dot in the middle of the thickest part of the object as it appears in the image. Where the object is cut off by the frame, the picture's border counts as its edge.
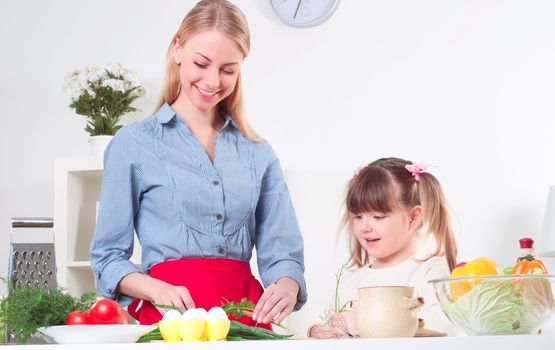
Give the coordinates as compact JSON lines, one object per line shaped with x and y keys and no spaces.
{"x":440,"y":343}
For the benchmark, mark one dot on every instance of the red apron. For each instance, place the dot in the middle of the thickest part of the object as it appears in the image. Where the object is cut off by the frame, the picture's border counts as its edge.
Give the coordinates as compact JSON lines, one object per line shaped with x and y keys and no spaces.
{"x":209,"y":281}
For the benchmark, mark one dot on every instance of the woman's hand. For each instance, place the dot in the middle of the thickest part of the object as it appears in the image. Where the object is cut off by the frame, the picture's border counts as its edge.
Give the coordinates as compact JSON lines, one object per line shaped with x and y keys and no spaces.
{"x":145,"y":287}
{"x":277,"y":302}
{"x":167,"y":294}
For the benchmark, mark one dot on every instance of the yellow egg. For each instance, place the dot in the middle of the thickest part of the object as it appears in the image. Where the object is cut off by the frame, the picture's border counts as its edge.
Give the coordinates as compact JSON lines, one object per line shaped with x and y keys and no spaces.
{"x":217,"y":324}
{"x":203,"y":314}
{"x":217,"y":329}
{"x":170,"y":330}
{"x":191,"y":329}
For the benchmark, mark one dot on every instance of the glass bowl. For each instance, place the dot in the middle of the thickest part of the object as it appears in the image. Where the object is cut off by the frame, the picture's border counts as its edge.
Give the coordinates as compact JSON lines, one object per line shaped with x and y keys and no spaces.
{"x":497,"y":304}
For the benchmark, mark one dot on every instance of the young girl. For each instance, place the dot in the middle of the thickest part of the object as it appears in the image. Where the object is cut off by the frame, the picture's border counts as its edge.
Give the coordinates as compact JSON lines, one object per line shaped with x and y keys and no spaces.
{"x":400,"y":235}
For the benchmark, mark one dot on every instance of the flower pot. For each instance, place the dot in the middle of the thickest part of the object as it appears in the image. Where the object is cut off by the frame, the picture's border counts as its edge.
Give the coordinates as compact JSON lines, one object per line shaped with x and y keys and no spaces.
{"x":99,"y":143}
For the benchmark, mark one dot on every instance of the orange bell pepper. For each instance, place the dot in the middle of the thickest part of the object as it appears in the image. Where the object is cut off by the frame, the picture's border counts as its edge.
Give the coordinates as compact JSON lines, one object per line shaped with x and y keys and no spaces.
{"x":477,"y":267}
{"x":525,"y":267}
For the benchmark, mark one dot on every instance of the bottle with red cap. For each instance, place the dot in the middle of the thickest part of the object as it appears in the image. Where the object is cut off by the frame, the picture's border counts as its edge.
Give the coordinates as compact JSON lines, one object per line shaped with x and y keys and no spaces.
{"x":526,"y":249}
{"x":527,"y":262}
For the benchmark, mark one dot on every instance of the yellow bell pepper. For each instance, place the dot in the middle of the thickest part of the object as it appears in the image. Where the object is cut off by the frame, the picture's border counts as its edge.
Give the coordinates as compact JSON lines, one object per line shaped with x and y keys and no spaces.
{"x":477,"y":267}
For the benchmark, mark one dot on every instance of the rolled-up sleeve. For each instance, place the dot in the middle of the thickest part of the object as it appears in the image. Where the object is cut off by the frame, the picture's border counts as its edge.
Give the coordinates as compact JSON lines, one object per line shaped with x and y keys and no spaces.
{"x":112,"y":243}
{"x":279,"y":243}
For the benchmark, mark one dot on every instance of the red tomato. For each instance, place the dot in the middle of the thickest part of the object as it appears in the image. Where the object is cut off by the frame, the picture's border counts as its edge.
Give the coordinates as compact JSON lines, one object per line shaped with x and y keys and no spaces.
{"x":78,"y":317}
{"x":108,"y":311}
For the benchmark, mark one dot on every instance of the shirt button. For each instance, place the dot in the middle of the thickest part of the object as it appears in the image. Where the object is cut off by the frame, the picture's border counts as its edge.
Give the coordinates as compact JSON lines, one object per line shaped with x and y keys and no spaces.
{"x":221,"y":250}
{"x":215,"y":183}
{"x":219,"y":216}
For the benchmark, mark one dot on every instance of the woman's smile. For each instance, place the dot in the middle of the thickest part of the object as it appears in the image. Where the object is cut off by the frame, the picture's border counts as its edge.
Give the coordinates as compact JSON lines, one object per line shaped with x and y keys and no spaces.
{"x":206,"y":94}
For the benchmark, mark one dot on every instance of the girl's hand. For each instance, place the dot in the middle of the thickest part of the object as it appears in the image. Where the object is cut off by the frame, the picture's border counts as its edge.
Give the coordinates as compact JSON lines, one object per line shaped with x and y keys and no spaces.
{"x":341,"y":325}
{"x":277,"y":301}
{"x":167,"y":294}
{"x":345,"y":321}
{"x":324,"y":331}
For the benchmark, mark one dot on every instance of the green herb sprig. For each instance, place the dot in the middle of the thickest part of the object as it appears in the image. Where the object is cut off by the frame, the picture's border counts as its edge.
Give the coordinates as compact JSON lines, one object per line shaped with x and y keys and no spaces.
{"x":239,"y":331}
{"x":26,"y":309}
{"x":338,"y":307}
{"x":152,"y":335}
{"x":244,"y":308}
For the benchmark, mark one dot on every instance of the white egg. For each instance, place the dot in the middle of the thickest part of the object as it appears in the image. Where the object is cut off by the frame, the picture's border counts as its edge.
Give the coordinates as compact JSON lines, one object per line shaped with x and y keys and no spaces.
{"x":202,"y":312}
{"x":216,"y":313}
{"x":171,"y":315}
{"x":192,"y":314}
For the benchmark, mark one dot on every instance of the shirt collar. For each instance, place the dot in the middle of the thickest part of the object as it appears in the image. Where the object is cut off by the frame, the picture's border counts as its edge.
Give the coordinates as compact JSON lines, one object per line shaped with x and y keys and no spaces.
{"x":228,"y":120}
{"x":166,"y":114}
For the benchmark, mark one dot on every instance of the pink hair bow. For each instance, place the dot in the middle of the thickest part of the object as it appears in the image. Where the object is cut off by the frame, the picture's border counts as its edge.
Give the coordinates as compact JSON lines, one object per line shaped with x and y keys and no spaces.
{"x":416,"y":169}
{"x":359,"y":169}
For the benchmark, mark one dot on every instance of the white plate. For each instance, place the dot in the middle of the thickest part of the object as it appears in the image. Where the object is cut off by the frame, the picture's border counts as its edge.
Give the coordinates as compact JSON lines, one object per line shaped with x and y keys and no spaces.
{"x":96,"y":333}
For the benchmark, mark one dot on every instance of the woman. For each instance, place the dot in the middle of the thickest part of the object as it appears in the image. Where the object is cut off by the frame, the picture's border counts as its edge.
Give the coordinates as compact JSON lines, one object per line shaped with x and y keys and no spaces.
{"x":200,"y":189}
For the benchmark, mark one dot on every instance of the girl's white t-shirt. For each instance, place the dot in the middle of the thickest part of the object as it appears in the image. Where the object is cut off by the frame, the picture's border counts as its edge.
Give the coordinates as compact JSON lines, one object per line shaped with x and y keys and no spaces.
{"x":411,"y":272}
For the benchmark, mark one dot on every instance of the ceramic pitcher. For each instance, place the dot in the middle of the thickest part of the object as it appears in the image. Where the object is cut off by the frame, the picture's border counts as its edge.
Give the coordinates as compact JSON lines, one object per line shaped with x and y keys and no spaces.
{"x":387,"y":312}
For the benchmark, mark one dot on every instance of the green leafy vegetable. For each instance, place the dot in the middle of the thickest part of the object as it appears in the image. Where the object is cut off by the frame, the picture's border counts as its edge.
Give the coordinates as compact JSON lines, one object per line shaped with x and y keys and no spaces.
{"x":538,"y":298}
{"x":27,"y":308}
{"x":239,"y":331}
{"x":502,"y":306}
{"x":243,"y":308}
{"x":150,"y":336}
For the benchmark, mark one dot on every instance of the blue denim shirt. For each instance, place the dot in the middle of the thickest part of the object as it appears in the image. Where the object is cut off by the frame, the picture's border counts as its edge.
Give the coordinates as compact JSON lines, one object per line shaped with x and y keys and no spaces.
{"x":159,"y":182}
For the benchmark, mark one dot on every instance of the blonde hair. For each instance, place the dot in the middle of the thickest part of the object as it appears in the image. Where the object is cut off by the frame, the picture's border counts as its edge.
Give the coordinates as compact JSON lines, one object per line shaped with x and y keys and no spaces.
{"x":230,"y":21}
{"x":372,"y":190}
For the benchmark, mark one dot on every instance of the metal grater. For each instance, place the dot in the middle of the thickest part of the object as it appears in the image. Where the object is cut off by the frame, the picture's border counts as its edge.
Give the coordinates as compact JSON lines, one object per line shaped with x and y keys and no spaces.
{"x":32,"y":259}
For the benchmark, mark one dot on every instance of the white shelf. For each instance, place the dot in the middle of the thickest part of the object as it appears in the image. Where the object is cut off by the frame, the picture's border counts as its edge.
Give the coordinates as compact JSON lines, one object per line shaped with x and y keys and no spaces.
{"x":79,"y":164}
{"x":77,"y":183}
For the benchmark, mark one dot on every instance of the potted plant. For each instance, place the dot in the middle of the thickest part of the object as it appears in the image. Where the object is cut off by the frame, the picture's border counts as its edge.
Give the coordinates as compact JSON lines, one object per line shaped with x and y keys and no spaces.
{"x":103,"y":95}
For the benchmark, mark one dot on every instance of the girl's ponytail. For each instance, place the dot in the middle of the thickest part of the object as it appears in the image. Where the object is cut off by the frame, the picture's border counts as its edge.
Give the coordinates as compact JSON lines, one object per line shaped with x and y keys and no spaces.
{"x":436,"y":217}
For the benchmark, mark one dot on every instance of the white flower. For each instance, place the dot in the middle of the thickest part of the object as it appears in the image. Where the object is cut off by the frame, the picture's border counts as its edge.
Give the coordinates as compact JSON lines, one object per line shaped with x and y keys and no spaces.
{"x":141,"y":91}
{"x":116,"y":69}
{"x":92,"y":75}
{"x":101,"y":102}
{"x":115,"y":84}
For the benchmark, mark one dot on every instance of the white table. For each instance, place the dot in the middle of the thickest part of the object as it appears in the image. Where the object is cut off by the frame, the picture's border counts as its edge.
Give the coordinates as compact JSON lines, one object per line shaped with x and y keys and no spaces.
{"x":508,"y":342}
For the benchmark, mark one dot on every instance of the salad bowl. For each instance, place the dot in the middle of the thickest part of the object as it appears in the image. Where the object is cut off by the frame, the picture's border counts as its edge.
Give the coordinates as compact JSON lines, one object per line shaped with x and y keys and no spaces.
{"x":497,"y":304}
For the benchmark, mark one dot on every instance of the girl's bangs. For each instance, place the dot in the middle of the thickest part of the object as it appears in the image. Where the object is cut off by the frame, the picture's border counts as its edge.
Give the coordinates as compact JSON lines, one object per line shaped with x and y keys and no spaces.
{"x":371,"y":191}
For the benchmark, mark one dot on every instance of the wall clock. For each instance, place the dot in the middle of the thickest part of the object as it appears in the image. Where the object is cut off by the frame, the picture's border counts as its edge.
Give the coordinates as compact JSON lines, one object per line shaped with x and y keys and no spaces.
{"x":303,"y":13}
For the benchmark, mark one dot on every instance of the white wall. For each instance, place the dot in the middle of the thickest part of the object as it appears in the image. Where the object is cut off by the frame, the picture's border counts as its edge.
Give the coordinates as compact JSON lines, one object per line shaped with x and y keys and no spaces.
{"x":467,"y":86}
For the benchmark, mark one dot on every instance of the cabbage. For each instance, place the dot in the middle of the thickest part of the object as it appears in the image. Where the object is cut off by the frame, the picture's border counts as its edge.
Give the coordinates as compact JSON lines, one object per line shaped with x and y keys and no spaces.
{"x":538,"y":297}
{"x":499,"y":306}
